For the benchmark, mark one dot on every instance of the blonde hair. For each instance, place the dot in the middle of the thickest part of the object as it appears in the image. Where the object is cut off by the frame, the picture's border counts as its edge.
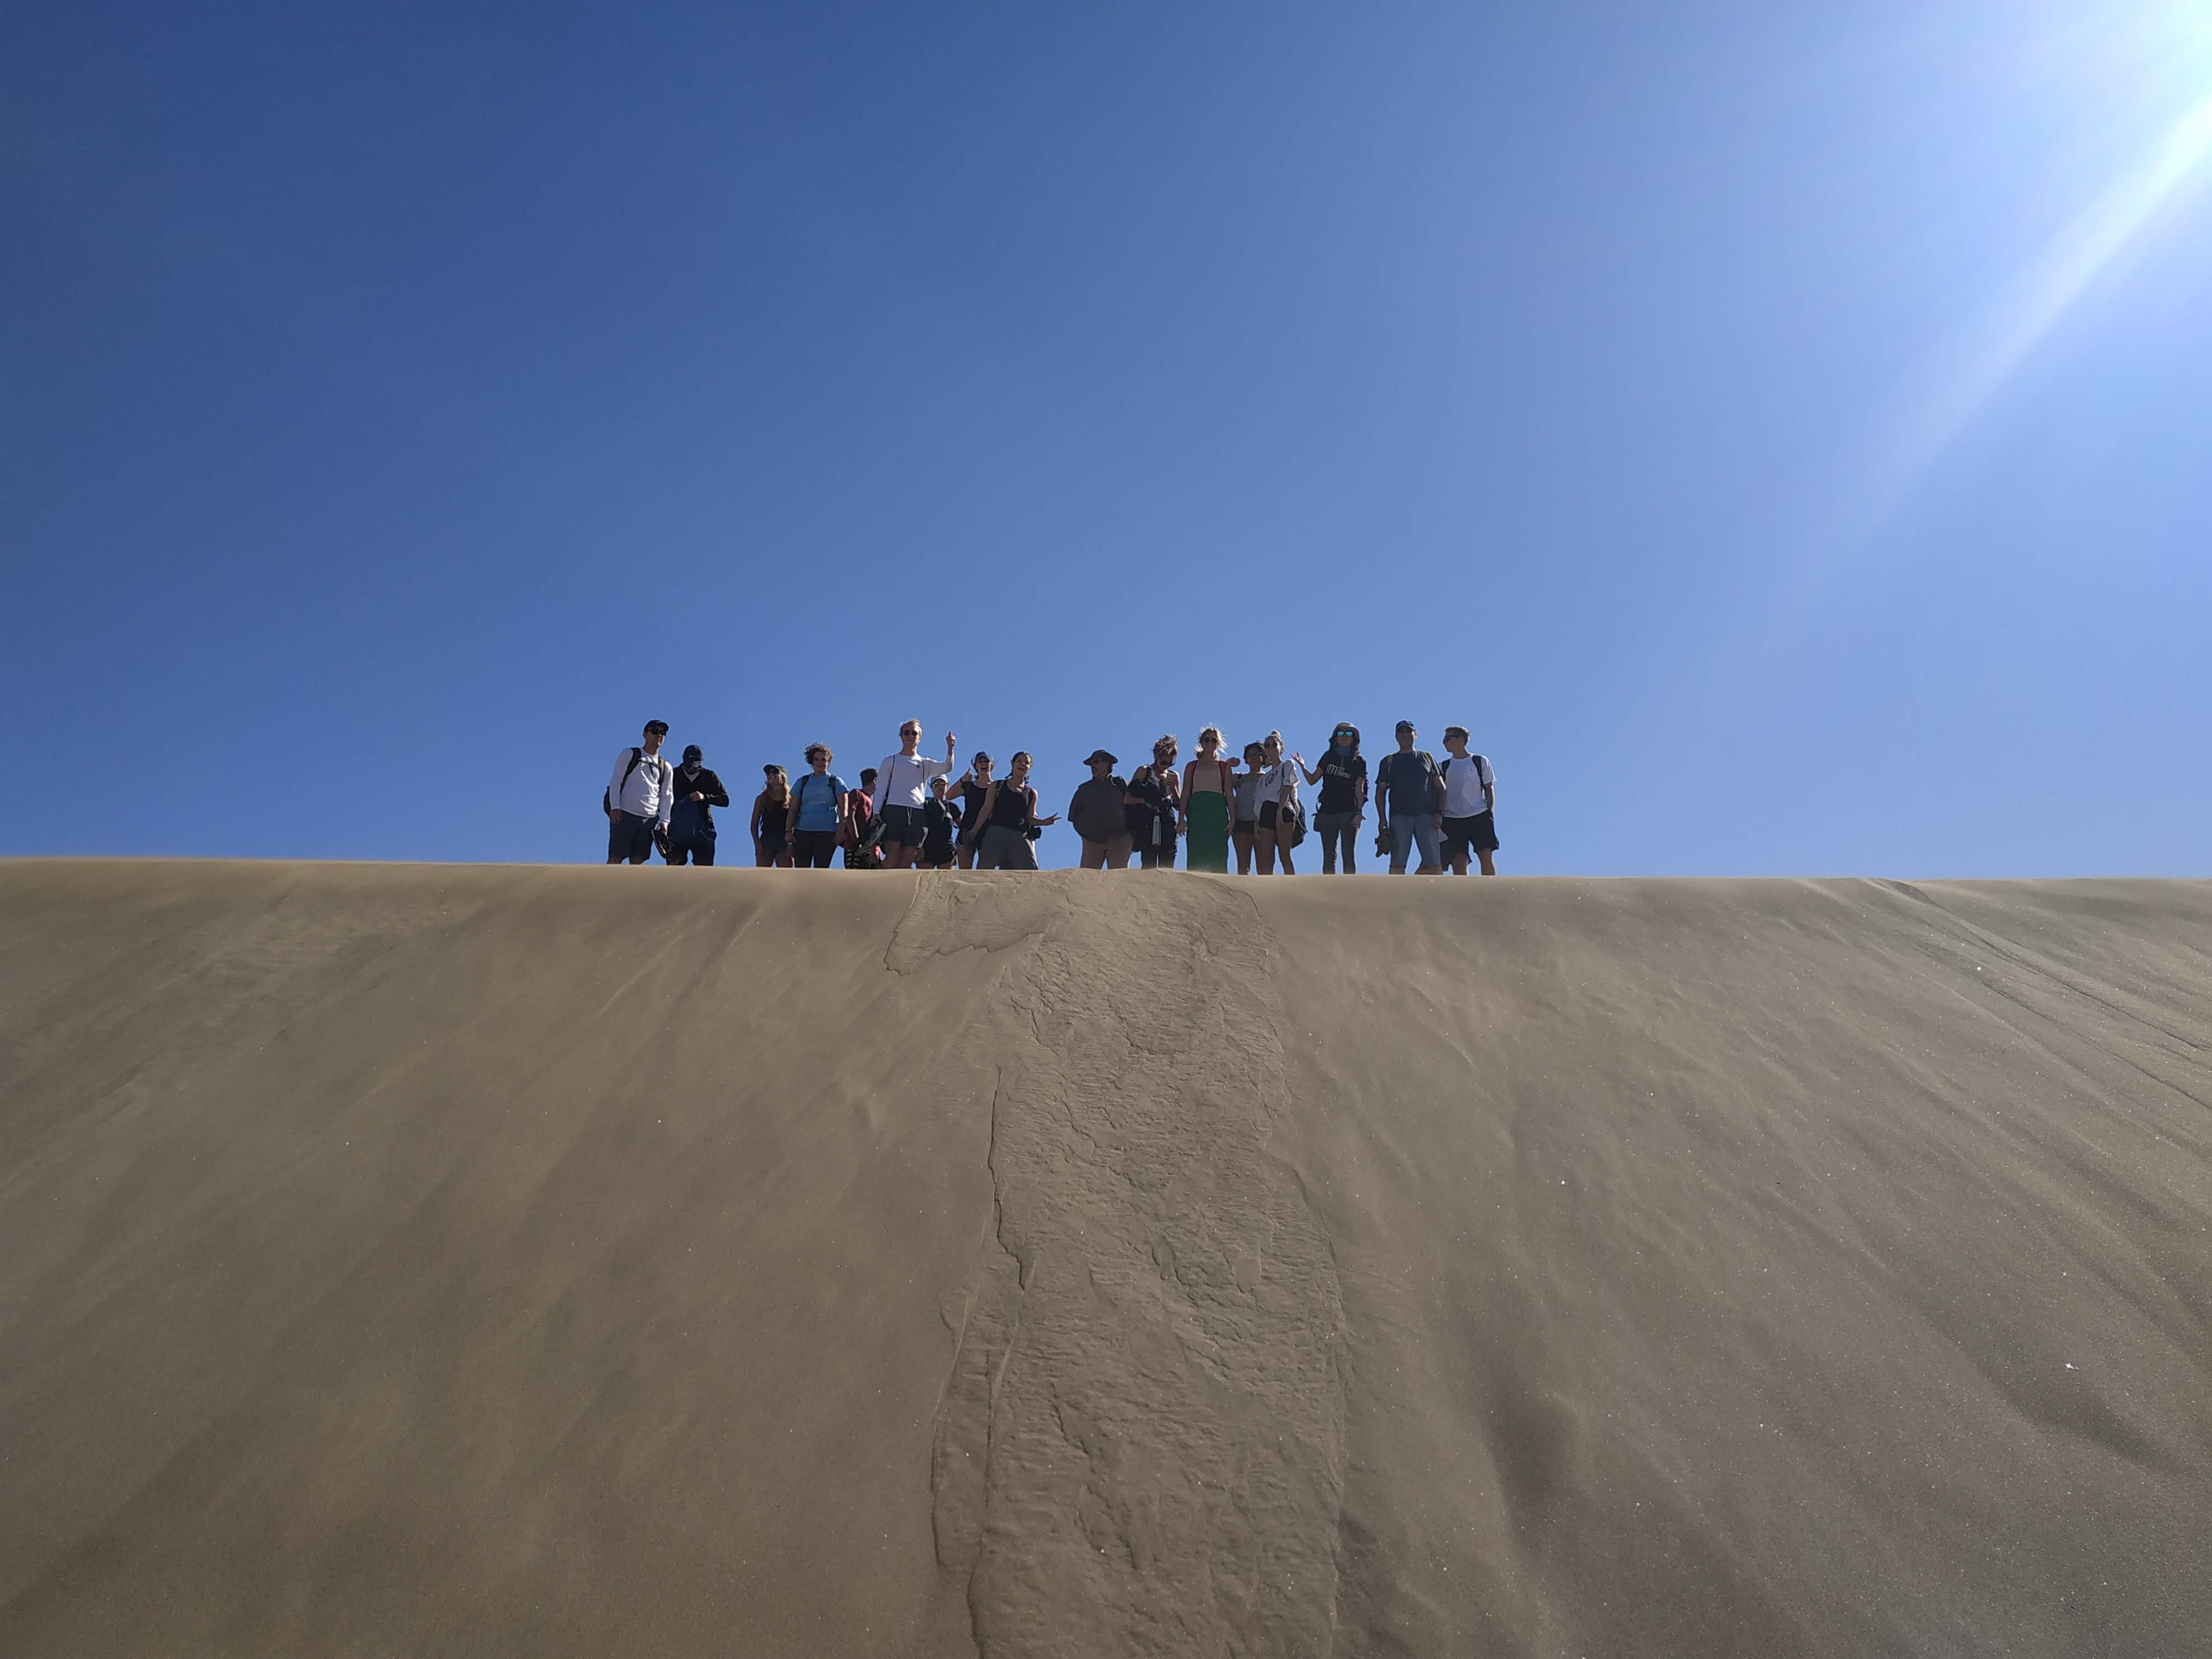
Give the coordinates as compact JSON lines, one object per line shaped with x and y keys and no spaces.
{"x":1167,"y":746}
{"x":1213,"y":732}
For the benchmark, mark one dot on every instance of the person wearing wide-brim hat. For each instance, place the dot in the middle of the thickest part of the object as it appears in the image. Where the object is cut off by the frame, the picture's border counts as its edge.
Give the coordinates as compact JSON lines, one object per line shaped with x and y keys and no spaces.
{"x":1098,"y":816}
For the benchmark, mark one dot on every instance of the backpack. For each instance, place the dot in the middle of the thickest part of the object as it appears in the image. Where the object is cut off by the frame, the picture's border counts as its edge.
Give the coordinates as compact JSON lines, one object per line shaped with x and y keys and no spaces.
{"x":607,"y":796}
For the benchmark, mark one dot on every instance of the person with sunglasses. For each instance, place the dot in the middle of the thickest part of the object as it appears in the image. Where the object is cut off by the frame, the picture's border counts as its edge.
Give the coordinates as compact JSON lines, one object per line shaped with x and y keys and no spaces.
{"x":1343,"y":805}
{"x":903,"y":789}
{"x":1154,"y":798}
{"x":1209,"y":784}
{"x":1280,"y":820}
{"x":771,"y":819}
{"x":941,"y":820}
{"x":698,"y":791}
{"x":638,"y":797}
{"x":1251,"y":785}
{"x":1470,"y":805}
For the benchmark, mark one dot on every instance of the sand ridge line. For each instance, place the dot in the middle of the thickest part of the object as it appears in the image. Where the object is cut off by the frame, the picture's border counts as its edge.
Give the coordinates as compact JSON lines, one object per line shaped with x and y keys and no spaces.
{"x":2039,"y":968}
{"x":2029,"y":960}
{"x":1143,"y":1423}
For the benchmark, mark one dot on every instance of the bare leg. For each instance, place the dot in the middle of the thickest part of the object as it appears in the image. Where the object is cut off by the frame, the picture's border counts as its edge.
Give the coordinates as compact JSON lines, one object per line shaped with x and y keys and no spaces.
{"x":1243,"y":839}
{"x":1489,"y":866}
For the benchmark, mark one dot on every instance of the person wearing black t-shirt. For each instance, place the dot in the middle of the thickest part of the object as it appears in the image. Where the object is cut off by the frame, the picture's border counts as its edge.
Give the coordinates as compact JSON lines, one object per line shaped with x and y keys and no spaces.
{"x":1151,"y":806}
{"x":940,"y":821}
{"x":975,"y":784}
{"x":1010,"y":822}
{"x":1342,"y":809}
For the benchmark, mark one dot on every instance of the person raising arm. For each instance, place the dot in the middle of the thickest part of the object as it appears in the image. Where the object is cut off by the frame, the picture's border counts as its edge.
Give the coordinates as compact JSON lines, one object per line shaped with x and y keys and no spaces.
{"x":903,"y":789}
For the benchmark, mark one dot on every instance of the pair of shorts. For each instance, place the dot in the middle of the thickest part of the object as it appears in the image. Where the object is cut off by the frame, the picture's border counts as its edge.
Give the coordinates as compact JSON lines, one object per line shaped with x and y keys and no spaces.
{"x":1005,"y":848}
{"x":904,"y":826}
{"x":1246,"y":826}
{"x":1476,"y":835}
{"x":630,"y":839}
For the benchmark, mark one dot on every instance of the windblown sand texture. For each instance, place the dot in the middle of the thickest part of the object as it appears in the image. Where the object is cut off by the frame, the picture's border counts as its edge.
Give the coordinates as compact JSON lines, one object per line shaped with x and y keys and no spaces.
{"x":575,"y":1261}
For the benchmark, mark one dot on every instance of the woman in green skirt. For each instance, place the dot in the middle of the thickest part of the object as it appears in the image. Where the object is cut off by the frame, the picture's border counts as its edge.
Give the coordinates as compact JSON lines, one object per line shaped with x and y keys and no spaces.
{"x":1207,"y":782}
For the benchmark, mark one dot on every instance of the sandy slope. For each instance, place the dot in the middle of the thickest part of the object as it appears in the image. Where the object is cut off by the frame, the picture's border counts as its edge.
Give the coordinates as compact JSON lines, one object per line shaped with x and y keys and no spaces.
{"x":547,"y":1261}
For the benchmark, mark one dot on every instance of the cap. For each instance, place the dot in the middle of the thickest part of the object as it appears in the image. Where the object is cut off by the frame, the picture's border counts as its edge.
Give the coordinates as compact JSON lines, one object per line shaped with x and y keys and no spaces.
{"x":1097,"y":755}
{"x":692,"y":751}
{"x":1405,"y":726}
{"x":661,"y":726}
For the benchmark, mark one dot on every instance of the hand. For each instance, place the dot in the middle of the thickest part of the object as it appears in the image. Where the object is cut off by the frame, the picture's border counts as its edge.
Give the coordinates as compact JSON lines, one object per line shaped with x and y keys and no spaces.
{"x":614,"y":814}
{"x":697,"y":795}
{"x":948,"y":748}
{"x":1055,"y":818}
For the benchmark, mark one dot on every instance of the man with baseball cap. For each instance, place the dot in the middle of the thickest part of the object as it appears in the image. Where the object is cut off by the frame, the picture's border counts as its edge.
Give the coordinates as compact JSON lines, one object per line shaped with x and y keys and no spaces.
{"x":638,"y":797}
{"x":1409,"y":803}
{"x":698,"y":791}
{"x":1098,"y":816}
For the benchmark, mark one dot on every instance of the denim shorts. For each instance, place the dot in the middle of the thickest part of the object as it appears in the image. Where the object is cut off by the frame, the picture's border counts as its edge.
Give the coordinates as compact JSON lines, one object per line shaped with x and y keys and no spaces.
{"x":1418,"y":831}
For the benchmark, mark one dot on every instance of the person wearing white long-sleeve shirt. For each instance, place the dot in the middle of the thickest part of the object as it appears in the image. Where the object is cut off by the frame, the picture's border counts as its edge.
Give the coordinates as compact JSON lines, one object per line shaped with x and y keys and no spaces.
{"x":903,"y":789}
{"x":639,"y":797}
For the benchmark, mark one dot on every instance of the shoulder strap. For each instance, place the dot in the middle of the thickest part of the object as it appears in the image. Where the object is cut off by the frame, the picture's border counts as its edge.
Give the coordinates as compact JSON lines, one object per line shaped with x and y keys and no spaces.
{"x":635,"y":756}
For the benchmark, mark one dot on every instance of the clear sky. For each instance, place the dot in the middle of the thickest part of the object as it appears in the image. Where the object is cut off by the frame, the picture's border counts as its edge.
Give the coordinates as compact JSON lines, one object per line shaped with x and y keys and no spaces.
{"x":1780,"y":431}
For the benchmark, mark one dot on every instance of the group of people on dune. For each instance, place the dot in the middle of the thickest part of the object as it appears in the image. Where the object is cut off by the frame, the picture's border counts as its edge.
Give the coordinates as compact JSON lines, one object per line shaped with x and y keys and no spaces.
{"x":910,"y":812}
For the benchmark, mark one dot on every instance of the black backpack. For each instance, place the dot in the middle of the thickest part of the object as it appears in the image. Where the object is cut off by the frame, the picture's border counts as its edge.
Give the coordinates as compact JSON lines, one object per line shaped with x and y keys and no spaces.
{"x":607,"y":796}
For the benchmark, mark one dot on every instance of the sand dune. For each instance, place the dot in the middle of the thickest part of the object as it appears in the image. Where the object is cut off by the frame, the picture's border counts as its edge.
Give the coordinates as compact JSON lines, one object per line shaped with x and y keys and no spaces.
{"x":553,"y":1261}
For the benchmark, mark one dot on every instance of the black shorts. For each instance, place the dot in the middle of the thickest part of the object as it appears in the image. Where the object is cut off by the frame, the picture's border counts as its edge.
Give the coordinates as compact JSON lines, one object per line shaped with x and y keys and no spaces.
{"x":1269,"y":812}
{"x":1246,"y":826}
{"x":904,"y":826}
{"x":1476,"y":835}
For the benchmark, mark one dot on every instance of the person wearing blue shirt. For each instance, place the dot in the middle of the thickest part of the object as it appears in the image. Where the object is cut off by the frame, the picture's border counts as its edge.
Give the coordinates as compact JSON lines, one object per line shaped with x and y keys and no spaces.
{"x":821,"y":811}
{"x":1409,"y":803}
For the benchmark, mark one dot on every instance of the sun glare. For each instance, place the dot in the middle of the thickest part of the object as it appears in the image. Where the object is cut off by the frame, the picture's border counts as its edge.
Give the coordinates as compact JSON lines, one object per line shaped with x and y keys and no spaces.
{"x":2126,"y":68}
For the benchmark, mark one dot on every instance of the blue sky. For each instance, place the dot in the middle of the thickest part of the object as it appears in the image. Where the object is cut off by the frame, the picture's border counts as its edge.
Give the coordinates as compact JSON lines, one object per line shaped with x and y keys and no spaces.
{"x":1779,"y":433}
